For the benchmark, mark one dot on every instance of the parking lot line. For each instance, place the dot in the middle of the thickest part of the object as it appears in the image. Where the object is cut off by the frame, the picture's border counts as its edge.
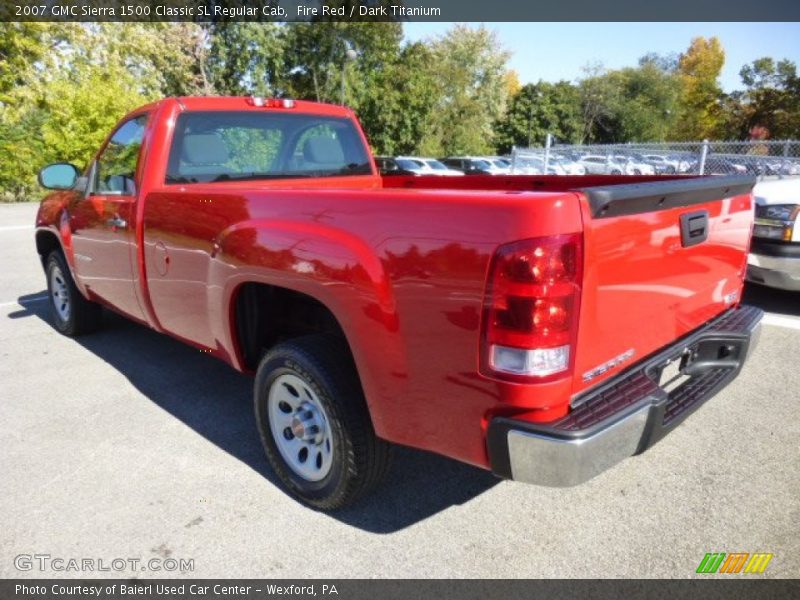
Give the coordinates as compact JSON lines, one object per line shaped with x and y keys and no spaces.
{"x":781,"y":321}
{"x":30,"y":300}
{"x":16,"y":227}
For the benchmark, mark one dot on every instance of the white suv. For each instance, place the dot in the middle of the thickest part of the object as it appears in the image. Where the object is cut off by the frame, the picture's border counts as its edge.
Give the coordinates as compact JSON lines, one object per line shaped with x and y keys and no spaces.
{"x":774,"y":258}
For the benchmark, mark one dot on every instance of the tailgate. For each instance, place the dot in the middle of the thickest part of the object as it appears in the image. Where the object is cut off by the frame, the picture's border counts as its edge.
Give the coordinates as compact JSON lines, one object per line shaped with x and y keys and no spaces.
{"x":660,"y":259}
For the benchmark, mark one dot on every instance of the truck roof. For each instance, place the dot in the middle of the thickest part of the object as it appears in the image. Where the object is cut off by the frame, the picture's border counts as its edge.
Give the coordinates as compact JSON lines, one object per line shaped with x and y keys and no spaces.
{"x":247,"y":103}
{"x":238,"y":103}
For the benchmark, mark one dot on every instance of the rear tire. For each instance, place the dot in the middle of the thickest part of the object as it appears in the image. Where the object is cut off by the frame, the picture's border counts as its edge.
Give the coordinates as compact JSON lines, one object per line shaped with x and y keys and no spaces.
{"x":314,"y":423}
{"x":72,"y":313}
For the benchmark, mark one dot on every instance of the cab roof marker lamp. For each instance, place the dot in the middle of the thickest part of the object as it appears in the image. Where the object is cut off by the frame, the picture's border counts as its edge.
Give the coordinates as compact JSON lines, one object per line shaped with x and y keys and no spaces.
{"x":260,"y":102}
{"x":530,"y":315}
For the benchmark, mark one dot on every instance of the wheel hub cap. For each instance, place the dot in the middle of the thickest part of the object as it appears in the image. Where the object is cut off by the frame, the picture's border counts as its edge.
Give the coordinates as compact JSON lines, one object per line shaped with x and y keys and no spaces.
{"x":59,"y":293}
{"x":299,"y":427}
{"x":305,"y":425}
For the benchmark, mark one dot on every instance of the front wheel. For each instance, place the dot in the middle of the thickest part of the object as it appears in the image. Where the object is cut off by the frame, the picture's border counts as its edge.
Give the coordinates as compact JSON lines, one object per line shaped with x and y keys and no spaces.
{"x":314,"y":423}
{"x":72,"y":313}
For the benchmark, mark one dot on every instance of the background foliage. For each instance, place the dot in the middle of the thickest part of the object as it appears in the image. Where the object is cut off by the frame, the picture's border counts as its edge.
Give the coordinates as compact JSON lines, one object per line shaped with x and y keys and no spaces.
{"x":63,"y":87}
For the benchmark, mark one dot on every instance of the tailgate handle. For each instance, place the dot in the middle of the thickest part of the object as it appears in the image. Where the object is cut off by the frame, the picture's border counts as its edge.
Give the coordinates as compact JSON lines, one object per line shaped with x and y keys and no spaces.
{"x":694,"y":227}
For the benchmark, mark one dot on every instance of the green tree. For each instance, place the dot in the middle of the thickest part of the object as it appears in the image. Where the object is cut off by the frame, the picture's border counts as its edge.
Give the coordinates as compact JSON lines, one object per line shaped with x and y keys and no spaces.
{"x":538,"y":109}
{"x":316,"y":53}
{"x":22,"y":45}
{"x":599,"y":101}
{"x":82,"y":108}
{"x":246,"y":58}
{"x":648,"y":101}
{"x":161,"y":58}
{"x":771,"y":98}
{"x":71,"y":98}
{"x":633,"y":104}
{"x":699,"y":112}
{"x":399,"y":101}
{"x":473,"y":91}
{"x":20,"y":155}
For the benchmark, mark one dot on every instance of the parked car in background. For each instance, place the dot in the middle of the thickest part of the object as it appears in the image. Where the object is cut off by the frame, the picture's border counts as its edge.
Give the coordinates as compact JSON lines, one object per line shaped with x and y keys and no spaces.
{"x":662,"y":164}
{"x":724,"y":166}
{"x":596,"y":164}
{"x":435,"y":167}
{"x":781,"y":167}
{"x":388,"y":165}
{"x":534,"y":165}
{"x":633,"y":166}
{"x":684,"y":162}
{"x":774,"y":258}
{"x":569,"y":165}
{"x":660,"y":167}
{"x":468,"y":165}
{"x":500,"y":165}
{"x":412,"y":165}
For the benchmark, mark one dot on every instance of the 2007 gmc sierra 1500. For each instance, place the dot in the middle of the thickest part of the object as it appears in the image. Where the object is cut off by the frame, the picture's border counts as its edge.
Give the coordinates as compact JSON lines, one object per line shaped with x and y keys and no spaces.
{"x":543,"y":327}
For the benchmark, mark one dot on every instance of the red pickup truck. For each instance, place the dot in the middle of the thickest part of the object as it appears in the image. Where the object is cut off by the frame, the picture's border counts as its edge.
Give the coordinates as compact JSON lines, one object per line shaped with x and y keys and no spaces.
{"x":543,"y":327}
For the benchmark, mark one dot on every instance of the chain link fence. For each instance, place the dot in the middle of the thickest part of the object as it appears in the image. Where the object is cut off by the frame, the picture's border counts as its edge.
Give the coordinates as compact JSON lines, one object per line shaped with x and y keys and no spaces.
{"x":773,"y":158}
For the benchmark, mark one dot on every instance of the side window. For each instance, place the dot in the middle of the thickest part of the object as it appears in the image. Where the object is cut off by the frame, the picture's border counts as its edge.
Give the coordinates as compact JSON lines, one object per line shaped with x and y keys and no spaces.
{"x":116,"y":167}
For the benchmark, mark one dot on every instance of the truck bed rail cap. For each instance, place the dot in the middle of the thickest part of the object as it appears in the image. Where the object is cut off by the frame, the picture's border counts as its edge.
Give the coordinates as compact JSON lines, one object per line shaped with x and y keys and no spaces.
{"x":630,"y":199}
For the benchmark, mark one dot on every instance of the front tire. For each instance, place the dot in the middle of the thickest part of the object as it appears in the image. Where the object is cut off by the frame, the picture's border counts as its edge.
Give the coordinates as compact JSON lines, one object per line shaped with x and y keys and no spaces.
{"x":314,"y":423}
{"x":72,"y":313}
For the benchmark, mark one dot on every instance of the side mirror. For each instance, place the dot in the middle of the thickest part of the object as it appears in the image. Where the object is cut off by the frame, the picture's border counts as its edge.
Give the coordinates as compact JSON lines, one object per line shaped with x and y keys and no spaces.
{"x":59,"y":176}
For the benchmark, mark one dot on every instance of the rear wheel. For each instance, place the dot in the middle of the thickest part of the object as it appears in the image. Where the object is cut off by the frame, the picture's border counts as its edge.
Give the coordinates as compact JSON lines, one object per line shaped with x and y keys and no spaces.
{"x":72,"y":313}
{"x":314,"y":423}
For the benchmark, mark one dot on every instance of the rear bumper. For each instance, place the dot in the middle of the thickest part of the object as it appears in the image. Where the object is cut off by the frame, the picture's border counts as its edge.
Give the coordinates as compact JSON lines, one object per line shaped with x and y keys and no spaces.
{"x":627,"y":414}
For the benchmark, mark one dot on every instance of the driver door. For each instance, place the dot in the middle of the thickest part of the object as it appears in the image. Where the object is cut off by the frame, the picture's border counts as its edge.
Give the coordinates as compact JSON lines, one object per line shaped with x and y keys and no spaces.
{"x":103,"y":221}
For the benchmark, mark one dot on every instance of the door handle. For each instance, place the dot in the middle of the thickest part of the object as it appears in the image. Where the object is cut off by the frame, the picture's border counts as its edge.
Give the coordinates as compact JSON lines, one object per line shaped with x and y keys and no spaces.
{"x":694,"y":228}
{"x":117,"y":222}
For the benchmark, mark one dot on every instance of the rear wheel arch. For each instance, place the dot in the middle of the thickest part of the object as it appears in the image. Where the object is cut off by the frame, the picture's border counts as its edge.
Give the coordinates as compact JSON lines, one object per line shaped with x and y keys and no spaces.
{"x":263,"y":315}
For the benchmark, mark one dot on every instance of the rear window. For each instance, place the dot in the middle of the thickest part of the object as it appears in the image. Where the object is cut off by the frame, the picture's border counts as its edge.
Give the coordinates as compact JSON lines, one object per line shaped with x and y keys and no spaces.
{"x":237,"y":146}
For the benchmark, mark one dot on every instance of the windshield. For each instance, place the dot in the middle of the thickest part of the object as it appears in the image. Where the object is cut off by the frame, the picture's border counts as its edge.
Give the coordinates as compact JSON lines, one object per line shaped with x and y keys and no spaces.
{"x":236,"y":146}
{"x":435,"y":164}
{"x":408,"y":164}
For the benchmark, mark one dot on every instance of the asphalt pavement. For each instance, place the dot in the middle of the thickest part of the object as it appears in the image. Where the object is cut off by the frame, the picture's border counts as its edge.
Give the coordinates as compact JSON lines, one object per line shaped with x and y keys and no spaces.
{"x":127,"y":444}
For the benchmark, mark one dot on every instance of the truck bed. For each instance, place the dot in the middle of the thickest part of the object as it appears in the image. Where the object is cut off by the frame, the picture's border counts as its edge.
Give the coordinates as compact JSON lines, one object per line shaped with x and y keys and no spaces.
{"x":642,"y":286}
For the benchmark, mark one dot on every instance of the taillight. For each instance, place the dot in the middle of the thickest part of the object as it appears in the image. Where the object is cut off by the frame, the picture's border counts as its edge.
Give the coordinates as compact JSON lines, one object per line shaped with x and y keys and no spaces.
{"x":531,"y":311}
